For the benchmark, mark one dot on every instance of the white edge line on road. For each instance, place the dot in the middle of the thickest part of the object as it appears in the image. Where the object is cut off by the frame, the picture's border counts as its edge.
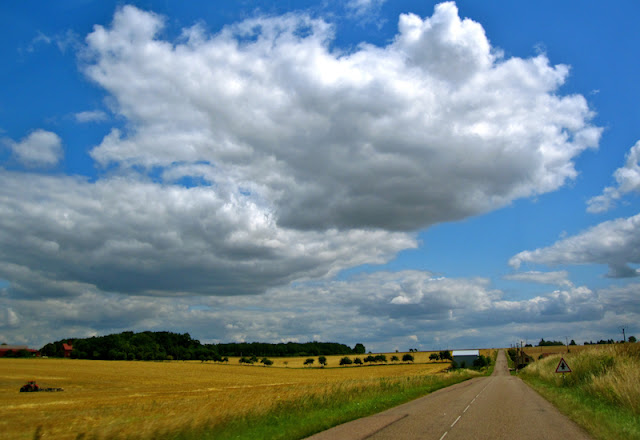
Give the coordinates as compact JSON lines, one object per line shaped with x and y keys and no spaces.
{"x":455,"y":421}
{"x":444,"y":435}
{"x":465,"y":410}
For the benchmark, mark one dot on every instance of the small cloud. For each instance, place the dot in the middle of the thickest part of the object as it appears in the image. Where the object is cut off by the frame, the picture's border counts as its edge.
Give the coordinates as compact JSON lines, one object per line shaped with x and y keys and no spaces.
{"x":91,"y":116}
{"x":40,"y":38}
{"x":364,"y":8}
{"x":63,"y":41}
{"x":556,"y":278}
{"x":628,"y":180}
{"x":40,"y":148}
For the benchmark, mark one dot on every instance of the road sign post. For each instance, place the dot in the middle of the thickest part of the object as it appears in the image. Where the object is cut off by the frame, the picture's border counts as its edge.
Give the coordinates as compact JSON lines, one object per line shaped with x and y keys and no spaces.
{"x":563,"y":367}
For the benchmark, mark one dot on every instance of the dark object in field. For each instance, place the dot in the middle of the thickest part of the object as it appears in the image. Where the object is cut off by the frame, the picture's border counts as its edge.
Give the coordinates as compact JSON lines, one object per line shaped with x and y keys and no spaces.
{"x":32,"y":387}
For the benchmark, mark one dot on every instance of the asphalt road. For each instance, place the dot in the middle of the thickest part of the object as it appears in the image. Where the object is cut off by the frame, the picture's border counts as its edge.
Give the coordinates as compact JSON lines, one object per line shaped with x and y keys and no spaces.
{"x":497,"y":407}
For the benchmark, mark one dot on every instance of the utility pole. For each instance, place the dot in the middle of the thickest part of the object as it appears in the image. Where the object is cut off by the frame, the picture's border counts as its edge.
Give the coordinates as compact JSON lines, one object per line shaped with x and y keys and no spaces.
{"x":521,"y":354}
{"x":624,"y":337}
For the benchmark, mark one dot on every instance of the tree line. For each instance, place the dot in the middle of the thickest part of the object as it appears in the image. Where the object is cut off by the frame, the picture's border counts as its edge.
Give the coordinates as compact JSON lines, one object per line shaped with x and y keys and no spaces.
{"x":169,"y":346}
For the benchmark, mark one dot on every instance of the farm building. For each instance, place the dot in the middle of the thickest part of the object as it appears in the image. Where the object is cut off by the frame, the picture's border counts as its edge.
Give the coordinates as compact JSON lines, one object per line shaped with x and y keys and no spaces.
{"x":465,"y":358}
{"x":15,"y":349}
{"x":67,"y":349}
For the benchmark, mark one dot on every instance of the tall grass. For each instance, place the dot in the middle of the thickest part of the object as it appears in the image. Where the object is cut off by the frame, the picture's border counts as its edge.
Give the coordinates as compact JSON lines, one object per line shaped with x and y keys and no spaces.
{"x":602,"y":393}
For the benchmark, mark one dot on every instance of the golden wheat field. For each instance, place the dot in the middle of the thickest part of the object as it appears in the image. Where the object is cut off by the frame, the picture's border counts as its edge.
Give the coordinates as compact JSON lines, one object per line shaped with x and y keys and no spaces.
{"x":133,"y":398}
{"x":557,"y":349}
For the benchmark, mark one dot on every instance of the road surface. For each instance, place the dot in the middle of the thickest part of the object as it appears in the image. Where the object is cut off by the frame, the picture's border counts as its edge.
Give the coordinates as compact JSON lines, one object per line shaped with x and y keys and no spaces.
{"x":497,"y":407}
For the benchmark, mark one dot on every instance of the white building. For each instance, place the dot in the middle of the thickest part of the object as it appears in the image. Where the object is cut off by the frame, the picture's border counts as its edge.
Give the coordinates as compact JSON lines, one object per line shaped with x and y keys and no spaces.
{"x":465,"y":358}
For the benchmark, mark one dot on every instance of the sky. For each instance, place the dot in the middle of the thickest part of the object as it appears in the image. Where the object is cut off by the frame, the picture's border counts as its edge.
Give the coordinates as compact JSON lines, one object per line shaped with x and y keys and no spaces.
{"x":402,"y":174}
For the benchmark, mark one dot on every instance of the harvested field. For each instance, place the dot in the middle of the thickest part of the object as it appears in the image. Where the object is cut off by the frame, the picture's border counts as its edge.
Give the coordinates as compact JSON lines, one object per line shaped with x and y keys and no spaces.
{"x":555,"y":349}
{"x":137,"y":399}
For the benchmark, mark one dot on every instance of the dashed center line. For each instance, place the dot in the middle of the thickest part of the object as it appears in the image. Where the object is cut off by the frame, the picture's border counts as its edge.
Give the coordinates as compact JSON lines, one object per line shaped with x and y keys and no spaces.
{"x":465,"y":410}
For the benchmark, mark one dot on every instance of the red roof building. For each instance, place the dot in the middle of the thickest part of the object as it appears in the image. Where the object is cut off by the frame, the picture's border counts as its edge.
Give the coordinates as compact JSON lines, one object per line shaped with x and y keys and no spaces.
{"x":68,"y":348}
{"x":4,"y":349}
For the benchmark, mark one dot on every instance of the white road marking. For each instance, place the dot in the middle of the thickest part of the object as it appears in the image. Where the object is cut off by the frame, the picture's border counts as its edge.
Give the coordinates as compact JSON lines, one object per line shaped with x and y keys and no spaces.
{"x":465,"y":410}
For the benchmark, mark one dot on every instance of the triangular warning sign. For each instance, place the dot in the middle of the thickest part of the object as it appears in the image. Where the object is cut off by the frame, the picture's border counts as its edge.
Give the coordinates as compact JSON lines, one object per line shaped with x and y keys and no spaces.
{"x":563,"y":367}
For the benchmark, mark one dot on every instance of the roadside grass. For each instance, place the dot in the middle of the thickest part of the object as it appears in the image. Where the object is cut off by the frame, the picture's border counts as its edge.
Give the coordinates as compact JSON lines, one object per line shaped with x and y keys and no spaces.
{"x":315,"y":413}
{"x":601,"y":394}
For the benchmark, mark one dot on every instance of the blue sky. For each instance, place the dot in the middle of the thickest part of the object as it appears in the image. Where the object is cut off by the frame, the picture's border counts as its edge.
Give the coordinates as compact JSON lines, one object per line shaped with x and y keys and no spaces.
{"x":398,"y":173}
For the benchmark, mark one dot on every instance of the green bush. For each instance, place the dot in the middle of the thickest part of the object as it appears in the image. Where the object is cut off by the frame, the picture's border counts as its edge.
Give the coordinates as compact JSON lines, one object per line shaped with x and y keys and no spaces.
{"x":346,"y":361}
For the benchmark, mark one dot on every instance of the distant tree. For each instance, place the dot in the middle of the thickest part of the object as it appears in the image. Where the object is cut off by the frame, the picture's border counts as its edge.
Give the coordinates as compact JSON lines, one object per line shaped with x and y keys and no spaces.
{"x":544,"y":343}
{"x":357,"y":361}
{"x":370,"y":358}
{"x":380,"y":358}
{"x":346,"y":361}
{"x":309,"y":361}
{"x":322,"y":360}
{"x":266,"y":362}
{"x":445,"y":355}
{"x":394,"y":358}
{"x":632,"y":339}
{"x":572,"y":342}
{"x":407,"y":358}
{"x":434,"y":357}
{"x":359,"y":349}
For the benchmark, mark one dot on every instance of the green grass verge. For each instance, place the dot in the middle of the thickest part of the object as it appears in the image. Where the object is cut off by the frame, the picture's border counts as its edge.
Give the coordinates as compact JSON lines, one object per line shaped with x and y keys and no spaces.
{"x":300,"y":419}
{"x":601,"y":419}
{"x":602,"y":392}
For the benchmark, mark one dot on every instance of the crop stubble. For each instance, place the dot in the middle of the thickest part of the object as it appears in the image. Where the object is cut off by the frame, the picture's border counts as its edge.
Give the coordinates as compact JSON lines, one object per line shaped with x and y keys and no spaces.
{"x":138,"y":399}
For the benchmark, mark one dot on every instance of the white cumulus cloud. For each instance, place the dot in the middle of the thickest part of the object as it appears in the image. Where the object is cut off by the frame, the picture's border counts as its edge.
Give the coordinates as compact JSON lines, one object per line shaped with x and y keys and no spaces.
{"x":615,"y":243}
{"x":260,"y":156}
{"x":627,"y":179}
{"x":332,"y":139}
{"x":40,"y":148}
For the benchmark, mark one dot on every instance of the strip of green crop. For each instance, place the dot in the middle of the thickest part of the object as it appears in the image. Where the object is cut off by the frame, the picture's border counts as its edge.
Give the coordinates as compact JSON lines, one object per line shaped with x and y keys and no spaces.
{"x":604,"y":421}
{"x":300,"y":419}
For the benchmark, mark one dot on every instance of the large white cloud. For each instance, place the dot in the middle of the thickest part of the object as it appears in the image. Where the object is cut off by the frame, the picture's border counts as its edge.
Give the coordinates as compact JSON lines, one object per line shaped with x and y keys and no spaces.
{"x":259,"y":156}
{"x":433,"y":127}
{"x":615,"y":243}
{"x":627,"y":178}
